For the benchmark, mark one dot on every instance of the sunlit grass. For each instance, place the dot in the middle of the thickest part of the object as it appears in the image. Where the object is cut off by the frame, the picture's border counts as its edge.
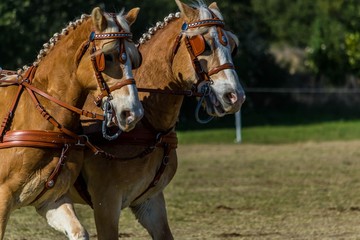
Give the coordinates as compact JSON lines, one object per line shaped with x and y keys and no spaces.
{"x":327,"y":131}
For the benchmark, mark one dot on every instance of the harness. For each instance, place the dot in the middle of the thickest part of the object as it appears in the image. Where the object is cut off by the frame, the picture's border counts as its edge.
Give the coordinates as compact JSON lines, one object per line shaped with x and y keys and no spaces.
{"x":195,"y":46}
{"x":64,"y":139}
{"x":140,"y":136}
{"x":147,"y":136}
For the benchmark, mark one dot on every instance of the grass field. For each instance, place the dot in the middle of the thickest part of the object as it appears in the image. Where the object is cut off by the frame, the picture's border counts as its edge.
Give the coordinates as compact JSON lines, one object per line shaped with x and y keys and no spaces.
{"x":304,"y":189}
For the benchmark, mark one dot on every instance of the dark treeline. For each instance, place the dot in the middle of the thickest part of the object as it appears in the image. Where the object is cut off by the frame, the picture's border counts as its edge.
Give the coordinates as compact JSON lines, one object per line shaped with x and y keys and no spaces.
{"x":299,"y":43}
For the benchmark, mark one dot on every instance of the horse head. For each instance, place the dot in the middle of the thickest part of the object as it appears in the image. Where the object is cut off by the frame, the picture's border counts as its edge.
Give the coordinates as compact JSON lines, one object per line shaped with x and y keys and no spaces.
{"x":112,"y":56}
{"x":208,"y":49}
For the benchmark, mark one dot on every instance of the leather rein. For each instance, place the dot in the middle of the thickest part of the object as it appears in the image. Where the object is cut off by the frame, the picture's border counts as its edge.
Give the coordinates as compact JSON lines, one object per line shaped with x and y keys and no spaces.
{"x":196,"y":46}
{"x":65,"y":139}
{"x":167,"y":140}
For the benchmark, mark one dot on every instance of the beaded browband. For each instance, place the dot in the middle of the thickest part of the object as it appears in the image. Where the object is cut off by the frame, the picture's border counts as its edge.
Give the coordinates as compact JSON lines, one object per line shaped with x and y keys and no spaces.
{"x":202,"y":23}
{"x":102,"y":36}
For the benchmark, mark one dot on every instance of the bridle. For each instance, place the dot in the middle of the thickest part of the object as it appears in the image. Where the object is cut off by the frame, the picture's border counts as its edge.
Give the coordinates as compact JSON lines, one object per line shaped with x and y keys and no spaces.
{"x":65,"y":139}
{"x":98,"y":62}
{"x":195,"y":46}
{"x":147,"y":135}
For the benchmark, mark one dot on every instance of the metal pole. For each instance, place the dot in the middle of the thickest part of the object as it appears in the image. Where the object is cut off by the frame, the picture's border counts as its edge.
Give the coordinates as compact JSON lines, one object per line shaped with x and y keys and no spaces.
{"x":238,"y":126}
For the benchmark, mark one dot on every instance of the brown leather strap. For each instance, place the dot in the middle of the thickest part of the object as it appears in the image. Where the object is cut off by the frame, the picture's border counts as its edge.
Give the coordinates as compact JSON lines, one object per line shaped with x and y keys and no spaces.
{"x":38,"y":138}
{"x":220,"y":68}
{"x":4,"y":72}
{"x":63,"y":104}
{"x":159,"y":172}
{"x":118,"y":85}
{"x":139,"y":137}
{"x":188,"y":93}
{"x":51,"y":180}
{"x":10,"y":114}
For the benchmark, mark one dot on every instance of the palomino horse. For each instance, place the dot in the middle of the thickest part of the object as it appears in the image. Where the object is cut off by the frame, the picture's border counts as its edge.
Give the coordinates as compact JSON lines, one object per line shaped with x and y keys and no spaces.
{"x":41,"y":154}
{"x":187,"y":54}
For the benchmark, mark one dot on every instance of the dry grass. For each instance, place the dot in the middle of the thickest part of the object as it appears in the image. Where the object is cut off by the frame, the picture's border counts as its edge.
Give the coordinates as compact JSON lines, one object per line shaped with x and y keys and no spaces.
{"x":291,"y":191}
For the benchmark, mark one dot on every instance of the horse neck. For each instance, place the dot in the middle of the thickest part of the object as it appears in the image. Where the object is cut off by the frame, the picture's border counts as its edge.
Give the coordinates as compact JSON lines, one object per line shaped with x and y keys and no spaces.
{"x":56,"y":74}
{"x":155,"y":72}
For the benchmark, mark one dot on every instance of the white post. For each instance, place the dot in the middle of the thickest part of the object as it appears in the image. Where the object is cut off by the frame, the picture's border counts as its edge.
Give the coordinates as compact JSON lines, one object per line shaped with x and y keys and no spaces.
{"x":238,"y":126}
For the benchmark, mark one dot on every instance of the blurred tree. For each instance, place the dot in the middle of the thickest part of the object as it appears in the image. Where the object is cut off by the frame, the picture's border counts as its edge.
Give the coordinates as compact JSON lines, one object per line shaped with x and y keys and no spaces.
{"x":328,"y":29}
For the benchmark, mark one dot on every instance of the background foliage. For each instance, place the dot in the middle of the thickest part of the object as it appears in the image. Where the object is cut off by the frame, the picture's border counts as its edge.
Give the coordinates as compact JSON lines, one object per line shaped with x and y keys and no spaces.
{"x":321,"y":35}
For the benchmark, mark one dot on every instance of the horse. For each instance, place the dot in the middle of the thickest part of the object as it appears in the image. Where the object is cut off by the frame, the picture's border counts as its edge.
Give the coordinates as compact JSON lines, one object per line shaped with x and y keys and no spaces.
{"x":41,"y":151}
{"x":188,"y":54}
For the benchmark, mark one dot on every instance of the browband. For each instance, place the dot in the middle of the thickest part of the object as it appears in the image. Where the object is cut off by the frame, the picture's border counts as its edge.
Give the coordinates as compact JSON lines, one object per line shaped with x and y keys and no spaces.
{"x":202,"y":23}
{"x":102,"y":36}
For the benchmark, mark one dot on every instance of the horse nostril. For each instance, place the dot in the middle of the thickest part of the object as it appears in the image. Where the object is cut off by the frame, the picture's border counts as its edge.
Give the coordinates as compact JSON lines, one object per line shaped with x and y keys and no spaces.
{"x":236,"y":98}
{"x":232,"y":97}
{"x":127,"y":116}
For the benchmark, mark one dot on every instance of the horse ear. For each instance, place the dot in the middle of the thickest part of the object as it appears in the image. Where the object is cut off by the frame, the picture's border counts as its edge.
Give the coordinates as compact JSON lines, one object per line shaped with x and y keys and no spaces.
{"x":187,"y":12}
{"x":214,"y":6}
{"x":98,"y":19}
{"x":132,"y":15}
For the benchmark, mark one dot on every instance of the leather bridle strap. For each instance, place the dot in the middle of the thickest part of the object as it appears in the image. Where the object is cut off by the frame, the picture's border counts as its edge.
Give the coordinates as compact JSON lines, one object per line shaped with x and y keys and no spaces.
{"x":63,"y":104}
{"x":82,"y":140}
{"x":98,"y":66}
{"x":188,"y":93}
{"x":118,"y":85}
{"x":220,"y":68}
{"x":202,"y":75}
{"x":10,"y":114}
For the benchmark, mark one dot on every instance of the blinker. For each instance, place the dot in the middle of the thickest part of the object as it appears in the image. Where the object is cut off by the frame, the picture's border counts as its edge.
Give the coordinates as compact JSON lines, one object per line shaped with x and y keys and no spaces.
{"x":197,"y":43}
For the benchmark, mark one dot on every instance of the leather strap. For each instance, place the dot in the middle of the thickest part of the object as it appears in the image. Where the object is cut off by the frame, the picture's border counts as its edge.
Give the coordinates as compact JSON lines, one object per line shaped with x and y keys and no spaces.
{"x":118,"y":85}
{"x":63,"y":104}
{"x":39,"y":138}
{"x":188,"y":93}
{"x":159,"y":172}
{"x":7,"y":119}
{"x":137,"y":137}
{"x":220,"y":68}
{"x":50,"y":182}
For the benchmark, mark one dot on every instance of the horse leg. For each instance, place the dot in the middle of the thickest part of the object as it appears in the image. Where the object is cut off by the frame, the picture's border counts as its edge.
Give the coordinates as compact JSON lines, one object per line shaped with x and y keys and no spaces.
{"x":61,"y":216}
{"x":5,"y":210}
{"x":107,"y":211}
{"x":153,"y":217}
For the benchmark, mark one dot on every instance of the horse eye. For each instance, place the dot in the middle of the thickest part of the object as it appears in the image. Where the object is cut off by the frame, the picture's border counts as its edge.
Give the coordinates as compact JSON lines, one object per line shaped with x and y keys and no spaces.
{"x":108,"y":57}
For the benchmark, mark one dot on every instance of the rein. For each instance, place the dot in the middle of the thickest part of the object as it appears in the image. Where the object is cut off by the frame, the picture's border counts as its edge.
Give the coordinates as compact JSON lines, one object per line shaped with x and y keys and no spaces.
{"x":65,"y":139}
{"x":196,"y":46}
{"x":140,"y":136}
{"x":28,"y":138}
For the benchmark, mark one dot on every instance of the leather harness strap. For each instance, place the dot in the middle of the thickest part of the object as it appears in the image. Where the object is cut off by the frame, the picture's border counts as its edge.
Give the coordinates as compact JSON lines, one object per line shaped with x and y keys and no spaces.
{"x":37,"y":138}
{"x":51,"y":180}
{"x":195,"y":46}
{"x":64,"y":139}
{"x":140,"y":136}
{"x":113,"y":88}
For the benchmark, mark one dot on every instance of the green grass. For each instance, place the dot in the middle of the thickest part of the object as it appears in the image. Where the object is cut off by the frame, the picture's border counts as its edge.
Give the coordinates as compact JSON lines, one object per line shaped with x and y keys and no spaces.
{"x":244,"y":192}
{"x":327,"y":131}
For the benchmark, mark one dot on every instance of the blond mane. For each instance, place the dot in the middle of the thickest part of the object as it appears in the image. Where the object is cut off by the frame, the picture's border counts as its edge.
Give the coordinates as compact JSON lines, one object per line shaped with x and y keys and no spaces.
{"x":47,"y":47}
{"x":203,"y":13}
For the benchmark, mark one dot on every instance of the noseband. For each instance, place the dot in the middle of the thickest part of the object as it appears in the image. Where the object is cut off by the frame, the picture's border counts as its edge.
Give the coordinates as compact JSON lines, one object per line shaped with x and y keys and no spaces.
{"x":98,"y":62}
{"x":98,"y":59}
{"x":196,"y":46}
